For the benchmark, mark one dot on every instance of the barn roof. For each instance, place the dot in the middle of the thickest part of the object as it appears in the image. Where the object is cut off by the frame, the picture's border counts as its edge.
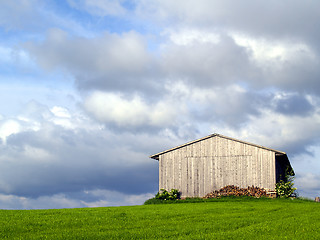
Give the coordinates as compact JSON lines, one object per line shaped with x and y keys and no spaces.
{"x":156,"y":156}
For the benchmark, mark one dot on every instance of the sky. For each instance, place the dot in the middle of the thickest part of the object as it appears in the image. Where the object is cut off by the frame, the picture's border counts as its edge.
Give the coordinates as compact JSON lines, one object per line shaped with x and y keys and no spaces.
{"x":89,"y":89}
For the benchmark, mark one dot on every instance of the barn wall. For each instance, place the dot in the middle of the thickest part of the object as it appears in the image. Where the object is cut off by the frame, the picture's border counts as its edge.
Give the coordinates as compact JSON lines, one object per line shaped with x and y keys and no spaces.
{"x":213,"y":163}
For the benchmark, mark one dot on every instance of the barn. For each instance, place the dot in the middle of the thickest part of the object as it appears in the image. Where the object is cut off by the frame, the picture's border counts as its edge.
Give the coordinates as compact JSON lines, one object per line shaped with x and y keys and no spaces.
{"x":210,"y":163}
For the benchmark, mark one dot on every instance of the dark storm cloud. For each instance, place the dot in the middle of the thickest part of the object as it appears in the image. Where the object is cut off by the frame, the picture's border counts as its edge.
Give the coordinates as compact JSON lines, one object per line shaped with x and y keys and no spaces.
{"x":293,"y":105}
{"x":301,"y":144}
{"x":52,"y":161}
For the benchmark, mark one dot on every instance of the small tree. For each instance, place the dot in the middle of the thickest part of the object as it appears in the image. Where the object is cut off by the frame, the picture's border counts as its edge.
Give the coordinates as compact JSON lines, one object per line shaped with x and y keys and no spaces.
{"x":284,"y":188}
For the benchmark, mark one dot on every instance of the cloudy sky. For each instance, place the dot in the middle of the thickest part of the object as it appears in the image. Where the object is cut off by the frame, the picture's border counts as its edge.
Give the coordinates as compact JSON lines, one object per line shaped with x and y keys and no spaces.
{"x":90,"y":88}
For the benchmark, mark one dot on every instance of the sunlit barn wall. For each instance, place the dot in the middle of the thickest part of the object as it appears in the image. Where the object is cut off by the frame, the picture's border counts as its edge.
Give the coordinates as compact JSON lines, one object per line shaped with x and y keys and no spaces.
{"x":210,"y":164}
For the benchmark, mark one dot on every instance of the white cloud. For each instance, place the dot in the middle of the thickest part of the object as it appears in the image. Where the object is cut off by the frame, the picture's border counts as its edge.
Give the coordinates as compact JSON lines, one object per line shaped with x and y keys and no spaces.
{"x":271,"y":19}
{"x":94,"y":198}
{"x":64,"y":158}
{"x":37,"y":154}
{"x":186,"y":69}
{"x":308,"y":184}
{"x":130,"y":112}
{"x":109,"y":61}
{"x":272,"y":50}
{"x":92,"y":54}
{"x":114,"y":198}
{"x":191,"y":36}
{"x":7,"y":128}
{"x":283,"y":132}
{"x":62,"y":117}
{"x":61,"y":112}
{"x":208,"y":64}
{"x":44,"y":202}
{"x":309,"y":181}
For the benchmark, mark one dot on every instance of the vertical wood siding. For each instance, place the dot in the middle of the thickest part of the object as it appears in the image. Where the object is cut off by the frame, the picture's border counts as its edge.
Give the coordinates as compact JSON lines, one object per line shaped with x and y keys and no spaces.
{"x":213,"y":163}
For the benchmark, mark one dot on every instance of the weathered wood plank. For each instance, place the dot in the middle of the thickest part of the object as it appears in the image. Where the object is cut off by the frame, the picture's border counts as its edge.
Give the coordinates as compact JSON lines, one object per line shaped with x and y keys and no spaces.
{"x":213,"y":163}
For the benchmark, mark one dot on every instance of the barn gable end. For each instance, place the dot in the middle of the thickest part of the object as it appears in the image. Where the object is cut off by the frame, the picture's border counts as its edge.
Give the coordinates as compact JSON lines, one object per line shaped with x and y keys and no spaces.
{"x":210,"y":163}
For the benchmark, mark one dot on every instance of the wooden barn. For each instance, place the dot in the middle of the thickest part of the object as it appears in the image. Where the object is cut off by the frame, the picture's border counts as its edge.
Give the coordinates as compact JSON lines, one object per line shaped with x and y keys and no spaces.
{"x":210,"y":163}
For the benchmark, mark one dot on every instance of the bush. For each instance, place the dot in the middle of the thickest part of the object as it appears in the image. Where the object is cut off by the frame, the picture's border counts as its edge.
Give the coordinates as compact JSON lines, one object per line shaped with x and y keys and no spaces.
{"x":284,"y":188}
{"x":163,"y":194}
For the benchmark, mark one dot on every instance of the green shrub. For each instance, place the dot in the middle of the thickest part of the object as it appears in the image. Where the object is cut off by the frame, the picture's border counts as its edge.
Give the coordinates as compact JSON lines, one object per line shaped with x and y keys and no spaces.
{"x":284,"y":188}
{"x":163,"y":194}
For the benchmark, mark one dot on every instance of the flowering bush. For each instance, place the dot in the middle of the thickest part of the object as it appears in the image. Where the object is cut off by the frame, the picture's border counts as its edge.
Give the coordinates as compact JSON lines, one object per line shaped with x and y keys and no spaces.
{"x":165,"y":195}
{"x":284,"y":188}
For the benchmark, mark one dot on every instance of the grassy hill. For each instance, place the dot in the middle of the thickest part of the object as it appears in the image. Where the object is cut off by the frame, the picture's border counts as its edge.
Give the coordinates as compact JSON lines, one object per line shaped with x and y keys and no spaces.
{"x":224,"y":219}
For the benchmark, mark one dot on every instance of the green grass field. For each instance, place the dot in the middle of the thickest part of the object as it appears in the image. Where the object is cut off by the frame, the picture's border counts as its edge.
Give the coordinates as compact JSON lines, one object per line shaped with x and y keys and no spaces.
{"x":224,"y":219}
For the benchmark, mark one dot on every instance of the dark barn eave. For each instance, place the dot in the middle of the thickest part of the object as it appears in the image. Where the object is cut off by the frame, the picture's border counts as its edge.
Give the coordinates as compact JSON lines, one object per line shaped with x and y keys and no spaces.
{"x":283,"y":167}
